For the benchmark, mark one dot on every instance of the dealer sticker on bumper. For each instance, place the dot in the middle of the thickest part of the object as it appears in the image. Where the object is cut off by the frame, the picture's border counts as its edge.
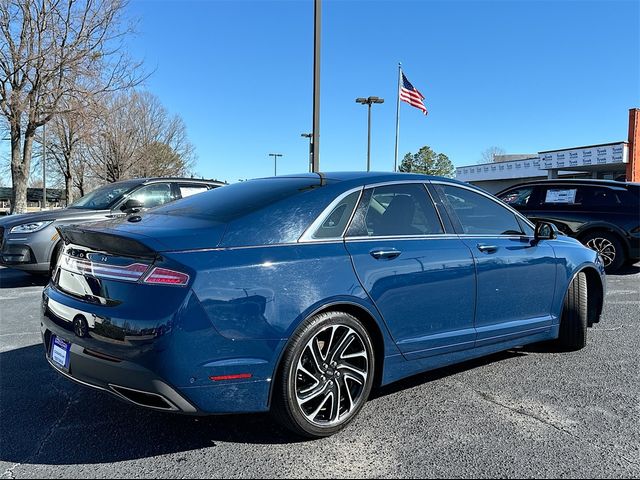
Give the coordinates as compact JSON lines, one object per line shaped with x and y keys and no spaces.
{"x":60,"y":352}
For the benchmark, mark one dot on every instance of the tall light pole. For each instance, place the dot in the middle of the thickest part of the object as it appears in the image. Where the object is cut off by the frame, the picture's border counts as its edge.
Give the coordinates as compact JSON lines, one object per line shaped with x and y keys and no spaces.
{"x":310,"y":137}
{"x":275,"y":162}
{"x":369,"y":101}
{"x":315,"y":144}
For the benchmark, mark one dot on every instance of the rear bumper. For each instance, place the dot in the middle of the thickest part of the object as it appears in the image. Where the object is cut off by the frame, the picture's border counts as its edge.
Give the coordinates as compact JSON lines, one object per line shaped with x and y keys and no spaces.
{"x":136,"y":369}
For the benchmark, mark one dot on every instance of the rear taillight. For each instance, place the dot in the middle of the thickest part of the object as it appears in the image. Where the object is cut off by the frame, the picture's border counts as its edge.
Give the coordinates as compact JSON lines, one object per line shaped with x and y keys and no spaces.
{"x":130,"y":273}
{"x":164,"y":276}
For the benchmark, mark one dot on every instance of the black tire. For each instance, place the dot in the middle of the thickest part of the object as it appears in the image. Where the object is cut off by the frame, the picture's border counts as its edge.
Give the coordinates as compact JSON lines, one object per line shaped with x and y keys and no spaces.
{"x":326,"y":331}
{"x":609,"y":246}
{"x":575,"y":316}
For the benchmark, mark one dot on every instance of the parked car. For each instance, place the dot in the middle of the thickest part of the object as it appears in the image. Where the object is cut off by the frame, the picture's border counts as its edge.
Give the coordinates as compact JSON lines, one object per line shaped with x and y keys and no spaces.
{"x":31,"y":243}
{"x":300,"y":293}
{"x":603,"y":214}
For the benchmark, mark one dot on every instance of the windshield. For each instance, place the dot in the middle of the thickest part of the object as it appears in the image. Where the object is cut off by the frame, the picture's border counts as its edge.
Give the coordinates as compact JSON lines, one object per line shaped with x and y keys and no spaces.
{"x":104,"y":197}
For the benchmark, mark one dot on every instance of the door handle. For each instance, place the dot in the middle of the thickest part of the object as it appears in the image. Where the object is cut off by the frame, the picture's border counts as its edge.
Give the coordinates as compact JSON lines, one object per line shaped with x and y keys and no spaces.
{"x":385,"y":254}
{"x":487,"y":248}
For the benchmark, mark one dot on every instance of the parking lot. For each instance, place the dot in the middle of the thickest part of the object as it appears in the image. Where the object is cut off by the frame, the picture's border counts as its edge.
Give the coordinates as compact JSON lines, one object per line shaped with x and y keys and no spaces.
{"x":522,"y":413}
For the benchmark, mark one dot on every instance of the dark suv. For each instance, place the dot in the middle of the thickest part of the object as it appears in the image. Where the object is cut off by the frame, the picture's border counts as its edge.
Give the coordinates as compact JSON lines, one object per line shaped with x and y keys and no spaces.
{"x":603,"y":214}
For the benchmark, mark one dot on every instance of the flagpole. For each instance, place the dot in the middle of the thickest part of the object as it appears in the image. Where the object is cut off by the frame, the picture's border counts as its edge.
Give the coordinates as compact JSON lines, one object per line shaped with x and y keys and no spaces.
{"x":395,"y":162}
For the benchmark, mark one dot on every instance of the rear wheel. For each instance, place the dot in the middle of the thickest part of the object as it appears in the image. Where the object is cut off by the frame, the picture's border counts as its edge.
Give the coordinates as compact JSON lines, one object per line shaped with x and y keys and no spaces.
{"x":573,"y":324}
{"x":608,"y":246}
{"x":326,"y":375}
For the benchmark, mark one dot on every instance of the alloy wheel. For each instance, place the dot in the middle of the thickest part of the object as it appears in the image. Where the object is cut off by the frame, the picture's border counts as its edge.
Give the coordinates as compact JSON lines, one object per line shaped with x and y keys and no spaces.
{"x":605,"y":248}
{"x":331,"y":375}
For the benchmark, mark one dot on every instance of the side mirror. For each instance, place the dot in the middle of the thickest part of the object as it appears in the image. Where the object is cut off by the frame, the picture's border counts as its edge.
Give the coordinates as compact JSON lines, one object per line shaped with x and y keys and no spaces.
{"x":546,"y":231}
{"x":132,"y":206}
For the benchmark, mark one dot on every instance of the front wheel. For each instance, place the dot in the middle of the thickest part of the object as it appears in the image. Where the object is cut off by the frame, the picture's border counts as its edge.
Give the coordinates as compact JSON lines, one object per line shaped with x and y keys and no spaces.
{"x":326,"y":375}
{"x":575,"y":316}
{"x":609,"y":248}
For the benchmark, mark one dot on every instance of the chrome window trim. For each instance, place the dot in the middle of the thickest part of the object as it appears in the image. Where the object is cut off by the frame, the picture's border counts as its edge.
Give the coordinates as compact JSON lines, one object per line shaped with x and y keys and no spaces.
{"x":435,"y":236}
{"x":493,"y":199}
{"x":307,"y":236}
{"x":394,"y":182}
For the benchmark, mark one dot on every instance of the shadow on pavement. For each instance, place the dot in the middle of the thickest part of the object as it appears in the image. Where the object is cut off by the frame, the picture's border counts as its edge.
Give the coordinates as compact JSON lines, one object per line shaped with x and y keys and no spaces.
{"x":47,"y":419}
{"x":10,"y":278}
{"x":440,"y":373}
{"x":626,"y":270}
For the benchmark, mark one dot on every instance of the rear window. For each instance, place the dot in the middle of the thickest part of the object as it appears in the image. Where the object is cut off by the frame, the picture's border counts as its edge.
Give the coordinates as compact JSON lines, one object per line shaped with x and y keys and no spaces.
{"x":227,"y":203}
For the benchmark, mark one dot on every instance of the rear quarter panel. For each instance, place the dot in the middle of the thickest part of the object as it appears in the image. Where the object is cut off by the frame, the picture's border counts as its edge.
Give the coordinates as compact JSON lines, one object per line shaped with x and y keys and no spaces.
{"x":266,"y":292}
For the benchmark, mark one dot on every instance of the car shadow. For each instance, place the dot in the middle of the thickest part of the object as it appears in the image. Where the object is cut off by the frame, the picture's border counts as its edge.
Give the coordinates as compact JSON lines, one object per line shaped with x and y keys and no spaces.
{"x":10,"y":278}
{"x":47,"y":419}
{"x":626,"y":270}
{"x":433,"y":375}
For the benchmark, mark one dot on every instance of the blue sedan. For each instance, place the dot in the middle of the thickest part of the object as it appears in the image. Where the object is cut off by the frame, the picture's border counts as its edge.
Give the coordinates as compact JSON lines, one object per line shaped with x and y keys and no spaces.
{"x":299,"y":294}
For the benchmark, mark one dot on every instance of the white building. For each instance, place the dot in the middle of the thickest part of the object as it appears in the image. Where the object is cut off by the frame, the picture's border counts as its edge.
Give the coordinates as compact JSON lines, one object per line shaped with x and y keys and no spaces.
{"x":608,"y":160}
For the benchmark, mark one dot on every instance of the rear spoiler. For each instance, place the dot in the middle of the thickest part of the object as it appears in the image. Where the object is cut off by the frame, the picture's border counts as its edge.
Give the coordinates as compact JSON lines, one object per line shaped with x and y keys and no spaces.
{"x":105,"y":242}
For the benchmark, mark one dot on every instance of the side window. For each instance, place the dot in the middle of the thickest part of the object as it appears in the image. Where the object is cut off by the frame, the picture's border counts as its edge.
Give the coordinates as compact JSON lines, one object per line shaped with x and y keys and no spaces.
{"x":186,"y":190}
{"x":600,"y":197}
{"x":154,"y":195}
{"x":479,"y":215}
{"x":562,"y":196}
{"x":518,"y":197}
{"x":396,"y":210}
{"x":334,"y":224}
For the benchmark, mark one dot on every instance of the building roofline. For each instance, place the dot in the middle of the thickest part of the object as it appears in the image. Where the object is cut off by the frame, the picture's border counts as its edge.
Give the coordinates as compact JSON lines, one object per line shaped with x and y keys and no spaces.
{"x":497,"y":163}
{"x":584,"y":146}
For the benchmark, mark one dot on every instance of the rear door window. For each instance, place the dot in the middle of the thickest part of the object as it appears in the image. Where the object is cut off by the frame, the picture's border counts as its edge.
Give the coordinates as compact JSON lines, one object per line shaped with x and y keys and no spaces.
{"x":396,"y":210}
{"x":186,"y":190}
{"x":562,"y":196}
{"x":154,"y":195}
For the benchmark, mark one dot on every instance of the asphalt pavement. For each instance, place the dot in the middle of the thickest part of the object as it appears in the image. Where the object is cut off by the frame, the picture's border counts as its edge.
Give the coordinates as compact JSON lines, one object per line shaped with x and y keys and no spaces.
{"x":522,"y":413}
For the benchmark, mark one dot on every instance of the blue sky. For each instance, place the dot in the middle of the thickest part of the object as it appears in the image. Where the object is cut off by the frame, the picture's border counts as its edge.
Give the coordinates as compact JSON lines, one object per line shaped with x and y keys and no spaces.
{"x":525,"y":76}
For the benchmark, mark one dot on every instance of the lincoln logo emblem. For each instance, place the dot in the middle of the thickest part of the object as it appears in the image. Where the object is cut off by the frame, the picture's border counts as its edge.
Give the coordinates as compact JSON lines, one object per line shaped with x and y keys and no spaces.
{"x":80,"y":326}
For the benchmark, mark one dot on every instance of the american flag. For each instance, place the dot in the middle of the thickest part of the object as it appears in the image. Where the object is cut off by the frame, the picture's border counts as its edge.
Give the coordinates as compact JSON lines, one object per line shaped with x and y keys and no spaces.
{"x":411,"y":95}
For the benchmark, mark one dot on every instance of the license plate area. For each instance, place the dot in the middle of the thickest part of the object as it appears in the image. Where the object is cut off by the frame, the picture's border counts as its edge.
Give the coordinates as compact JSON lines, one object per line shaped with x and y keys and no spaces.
{"x":60,"y":353}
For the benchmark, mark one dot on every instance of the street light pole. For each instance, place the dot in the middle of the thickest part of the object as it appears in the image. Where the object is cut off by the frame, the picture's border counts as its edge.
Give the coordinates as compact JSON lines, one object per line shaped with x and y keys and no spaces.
{"x":369,"y":101}
{"x":310,"y":137}
{"x":275,"y":162}
{"x":315,"y":143}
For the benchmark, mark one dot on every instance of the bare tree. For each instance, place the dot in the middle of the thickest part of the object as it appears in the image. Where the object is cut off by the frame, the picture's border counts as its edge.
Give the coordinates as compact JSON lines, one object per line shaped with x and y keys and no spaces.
{"x":67,"y":136}
{"x":52,"y":51}
{"x":137,"y":137}
{"x":488,"y":155}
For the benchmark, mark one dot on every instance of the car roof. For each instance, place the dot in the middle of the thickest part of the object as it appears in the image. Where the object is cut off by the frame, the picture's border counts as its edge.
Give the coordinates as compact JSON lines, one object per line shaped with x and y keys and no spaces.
{"x":180,"y":179}
{"x":574,"y":181}
{"x":364,"y":178}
